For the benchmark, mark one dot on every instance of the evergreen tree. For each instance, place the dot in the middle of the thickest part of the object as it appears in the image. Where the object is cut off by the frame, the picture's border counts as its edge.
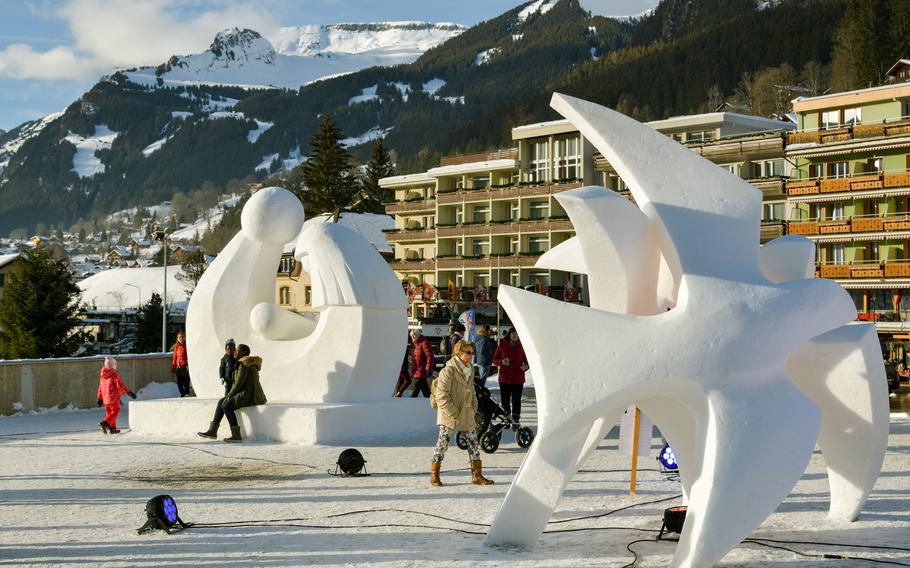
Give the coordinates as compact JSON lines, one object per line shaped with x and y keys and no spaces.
{"x":373,"y":197}
{"x":40,"y":309}
{"x":330,"y":187}
{"x":148,"y":326}
{"x":193,"y":265}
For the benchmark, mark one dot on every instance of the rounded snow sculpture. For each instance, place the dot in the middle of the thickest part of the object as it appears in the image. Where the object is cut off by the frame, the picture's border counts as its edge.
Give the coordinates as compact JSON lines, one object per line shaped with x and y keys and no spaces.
{"x":347,"y":349}
{"x":738,"y":356}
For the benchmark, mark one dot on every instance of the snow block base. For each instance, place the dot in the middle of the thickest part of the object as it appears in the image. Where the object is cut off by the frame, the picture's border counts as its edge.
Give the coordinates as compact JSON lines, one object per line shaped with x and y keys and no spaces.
{"x":330,"y":423}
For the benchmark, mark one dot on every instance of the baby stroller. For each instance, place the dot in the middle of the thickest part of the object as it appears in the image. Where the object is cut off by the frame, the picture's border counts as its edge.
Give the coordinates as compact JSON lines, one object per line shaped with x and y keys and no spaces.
{"x":492,"y":420}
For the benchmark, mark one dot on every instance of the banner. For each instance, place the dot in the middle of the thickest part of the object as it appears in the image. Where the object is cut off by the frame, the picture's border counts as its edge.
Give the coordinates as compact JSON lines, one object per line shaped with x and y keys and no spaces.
{"x":467,"y":319}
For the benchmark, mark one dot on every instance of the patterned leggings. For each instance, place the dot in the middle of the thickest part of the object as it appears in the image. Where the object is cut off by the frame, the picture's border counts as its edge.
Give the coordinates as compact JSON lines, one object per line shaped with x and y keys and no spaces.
{"x":442,"y":444}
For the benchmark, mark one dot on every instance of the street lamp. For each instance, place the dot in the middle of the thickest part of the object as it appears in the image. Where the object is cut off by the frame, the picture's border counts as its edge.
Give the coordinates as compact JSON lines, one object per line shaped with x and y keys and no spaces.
{"x":138,"y":289}
{"x":159,"y":234}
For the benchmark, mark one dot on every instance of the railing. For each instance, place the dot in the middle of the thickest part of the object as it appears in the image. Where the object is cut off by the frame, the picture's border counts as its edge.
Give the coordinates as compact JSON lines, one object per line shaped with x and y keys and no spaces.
{"x":509,"y":192}
{"x":469,"y":295}
{"x":883,"y":180}
{"x":887,"y":127}
{"x":402,"y":235}
{"x":854,"y":224}
{"x":771,"y":230}
{"x":413,"y":265}
{"x":458,"y":159}
{"x":412,"y":205}
{"x":864,"y":269}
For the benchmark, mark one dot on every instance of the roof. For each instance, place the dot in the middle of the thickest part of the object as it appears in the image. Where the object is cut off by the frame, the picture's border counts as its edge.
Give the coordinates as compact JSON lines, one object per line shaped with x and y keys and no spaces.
{"x":709,"y":119}
{"x":485,"y":166}
{"x":406,"y":180}
{"x":900,"y":63}
{"x":370,"y":225}
{"x":8,"y":258}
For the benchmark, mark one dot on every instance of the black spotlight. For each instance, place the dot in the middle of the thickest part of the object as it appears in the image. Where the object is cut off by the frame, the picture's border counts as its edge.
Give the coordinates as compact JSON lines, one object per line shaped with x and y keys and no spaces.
{"x":674,"y":518}
{"x":162,"y":515}
{"x":350,"y":462}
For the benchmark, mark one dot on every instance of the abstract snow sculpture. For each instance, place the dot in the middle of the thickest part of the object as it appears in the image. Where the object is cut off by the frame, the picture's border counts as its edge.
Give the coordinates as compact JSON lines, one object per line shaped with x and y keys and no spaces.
{"x":347,"y":349}
{"x":712,"y":371}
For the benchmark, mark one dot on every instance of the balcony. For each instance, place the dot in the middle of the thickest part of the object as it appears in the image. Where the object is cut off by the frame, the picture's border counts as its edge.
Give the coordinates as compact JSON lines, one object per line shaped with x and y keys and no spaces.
{"x":472,"y":296}
{"x":771,"y":230}
{"x":864,"y":269}
{"x":509,"y":192}
{"x":892,"y":127}
{"x":549,"y":224}
{"x":856,"y":224}
{"x":458,"y":159}
{"x":415,"y":265}
{"x":523,"y":260}
{"x":408,"y":235}
{"x":885,"y":180}
{"x":412,"y":206}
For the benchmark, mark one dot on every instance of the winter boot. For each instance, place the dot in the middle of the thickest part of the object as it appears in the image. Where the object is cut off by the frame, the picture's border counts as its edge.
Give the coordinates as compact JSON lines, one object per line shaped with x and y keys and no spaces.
{"x":211,"y":433}
{"x":114,"y":431}
{"x":235,"y":435}
{"x":434,"y":474}
{"x":477,"y":477}
{"x":104,"y":426}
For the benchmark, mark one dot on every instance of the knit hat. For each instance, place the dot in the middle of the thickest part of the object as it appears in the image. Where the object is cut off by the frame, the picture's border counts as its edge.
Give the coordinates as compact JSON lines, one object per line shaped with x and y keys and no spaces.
{"x":230,"y":343}
{"x":110,"y":363}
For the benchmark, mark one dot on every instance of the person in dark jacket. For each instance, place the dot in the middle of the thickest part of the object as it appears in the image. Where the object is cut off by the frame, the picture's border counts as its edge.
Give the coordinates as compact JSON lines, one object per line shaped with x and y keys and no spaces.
{"x":404,"y":375}
{"x":228,"y":365}
{"x":423,"y":363}
{"x":246,"y":391}
{"x":512,"y":362}
{"x":484,"y":357}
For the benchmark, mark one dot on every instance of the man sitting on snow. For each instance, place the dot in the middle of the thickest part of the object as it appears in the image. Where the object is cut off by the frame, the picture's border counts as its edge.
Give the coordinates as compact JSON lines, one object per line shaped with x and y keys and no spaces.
{"x":246,"y":391}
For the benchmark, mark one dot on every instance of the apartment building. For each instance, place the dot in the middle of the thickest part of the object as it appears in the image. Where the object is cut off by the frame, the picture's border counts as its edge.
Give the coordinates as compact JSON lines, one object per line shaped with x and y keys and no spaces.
{"x":850,"y":196}
{"x":479,"y":221}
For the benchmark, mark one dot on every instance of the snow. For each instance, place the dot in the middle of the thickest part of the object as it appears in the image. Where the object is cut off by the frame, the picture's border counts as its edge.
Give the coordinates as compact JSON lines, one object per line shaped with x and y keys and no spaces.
{"x":401,"y":39}
{"x":85,"y":162}
{"x":628,"y":11}
{"x":266,"y":162}
{"x":542,"y":6}
{"x":115,"y":289}
{"x":486,"y":55}
{"x":594,"y":54}
{"x":155,"y":146}
{"x":294,"y":159}
{"x":261,"y":127}
{"x":74,"y":497}
{"x":181,"y":114}
{"x":370,"y":225}
{"x":433,"y":85}
{"x":226,"y":114}
{"x":368,"y":94}
{"x":26,"y":132}
{"x":452,"y":100}
{"x":404,"y":89}
{"x":374,"y":133}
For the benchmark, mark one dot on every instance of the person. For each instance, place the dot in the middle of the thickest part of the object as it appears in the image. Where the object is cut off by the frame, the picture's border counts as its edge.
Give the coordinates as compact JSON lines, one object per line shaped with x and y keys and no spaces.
{"x":512,"y":362}
{"x":455,"y":335}
{"x":457,"y":407}
{"x":245,"y":391}
{"x":423,"y":362}
{"x":110,"y":389}
{"x":227,"y":365}
{"x":180,"y":366}
{"x":404,"y":375}
{"x":484,"y":358}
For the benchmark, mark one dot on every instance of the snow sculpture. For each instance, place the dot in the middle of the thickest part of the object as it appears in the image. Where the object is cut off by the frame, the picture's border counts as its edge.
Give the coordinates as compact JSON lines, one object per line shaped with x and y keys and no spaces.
{"x":347,"y":349}
{"x":705,"y":334}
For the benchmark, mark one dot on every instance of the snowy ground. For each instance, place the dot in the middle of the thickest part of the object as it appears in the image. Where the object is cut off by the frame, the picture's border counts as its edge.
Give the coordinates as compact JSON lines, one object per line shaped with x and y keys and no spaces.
{"x":71,"y":496}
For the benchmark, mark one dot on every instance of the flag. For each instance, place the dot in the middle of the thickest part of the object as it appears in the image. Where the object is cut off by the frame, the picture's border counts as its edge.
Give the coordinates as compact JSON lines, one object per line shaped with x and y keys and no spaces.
{"x":453,"y":291}
{"x":570,"y":292}
{"x":541,"y":289}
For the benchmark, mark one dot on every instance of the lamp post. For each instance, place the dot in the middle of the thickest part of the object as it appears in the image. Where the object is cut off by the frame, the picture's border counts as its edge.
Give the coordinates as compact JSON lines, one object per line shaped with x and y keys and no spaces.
{"x":160,"y":234}
{"x":138,"y":290}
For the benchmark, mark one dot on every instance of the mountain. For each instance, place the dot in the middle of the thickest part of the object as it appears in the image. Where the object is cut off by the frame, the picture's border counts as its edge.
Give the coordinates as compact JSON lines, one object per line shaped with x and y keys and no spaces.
{"x":140,"y":135}
{"x":303,"y":54}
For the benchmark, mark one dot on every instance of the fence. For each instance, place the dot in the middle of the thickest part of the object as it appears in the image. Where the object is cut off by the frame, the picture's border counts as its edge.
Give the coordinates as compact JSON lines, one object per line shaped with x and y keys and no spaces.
{"x":48,"y":383}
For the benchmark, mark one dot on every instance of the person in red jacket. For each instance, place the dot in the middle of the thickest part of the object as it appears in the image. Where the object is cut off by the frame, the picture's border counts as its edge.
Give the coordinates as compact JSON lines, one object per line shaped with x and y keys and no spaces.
{"x":512,"y":363}
{"x":422,"y":363}
{"x":110,"y":389}
{"x":180,"y":366}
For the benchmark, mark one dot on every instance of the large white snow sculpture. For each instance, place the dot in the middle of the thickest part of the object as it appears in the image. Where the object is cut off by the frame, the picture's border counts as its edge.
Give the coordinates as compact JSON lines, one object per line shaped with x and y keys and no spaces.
{"x":348,"y":349}
{"x":716,"y":372}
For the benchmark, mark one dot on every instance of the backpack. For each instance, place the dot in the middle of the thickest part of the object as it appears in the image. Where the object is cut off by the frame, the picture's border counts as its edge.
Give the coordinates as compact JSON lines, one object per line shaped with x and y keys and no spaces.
{"x":433,"y":403}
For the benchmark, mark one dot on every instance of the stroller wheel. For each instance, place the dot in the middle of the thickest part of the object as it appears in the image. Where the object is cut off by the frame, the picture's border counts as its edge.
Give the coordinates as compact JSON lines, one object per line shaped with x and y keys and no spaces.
{"x":460,"y":441}
{"x":489,"y":442}
{"x":524,"y":437}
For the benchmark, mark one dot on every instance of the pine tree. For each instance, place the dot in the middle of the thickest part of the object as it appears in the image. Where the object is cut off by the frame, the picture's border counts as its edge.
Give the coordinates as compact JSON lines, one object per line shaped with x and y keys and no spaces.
{"x":148,"y":326}
{"x":40,"y":309}
{"x":193,"y":265}
{"x":327,"y":172}
{"x":372,"y":196}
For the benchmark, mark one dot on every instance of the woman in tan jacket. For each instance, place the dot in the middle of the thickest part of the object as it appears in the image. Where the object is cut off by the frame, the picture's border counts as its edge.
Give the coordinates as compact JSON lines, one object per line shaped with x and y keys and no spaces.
{"x":457,"y":403}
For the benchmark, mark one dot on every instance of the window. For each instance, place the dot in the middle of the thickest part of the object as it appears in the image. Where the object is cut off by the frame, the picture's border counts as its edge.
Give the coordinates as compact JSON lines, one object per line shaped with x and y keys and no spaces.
{"x":539,"y":161}
{"x":481,"y":213}
{"x":515,"y":279}
{"x":542,"y":278}
{"x":538,"y":210}
{"x":837,"y":211}
{"x":732,"y":168}
{"x":513,"y":211}
{"x":816,"y":171}
{"x":872,"y":207}
{"x":874,"y":165}
{"x":568,"y":158}
{"x":482,"y":280}
{"x":700,"y":136}
{"x":480,"y":182}
{"x":459,"y":215}
{"x":538,"y":244}
{"x":459,"y":248}
{"x":772,"y":212}
{"x":853,"y":116}
{"x":286,"y":265}
{"x":838,"y":169}
{"x":308,"y":295}
{"x":837,"y":253}
{"x":767,"y":168}
{"x":513,"y":245}
{"x":480,"y":248}
{"x":284,"y":296}
{"x":873,"y":251}
{"x":830,"y":119}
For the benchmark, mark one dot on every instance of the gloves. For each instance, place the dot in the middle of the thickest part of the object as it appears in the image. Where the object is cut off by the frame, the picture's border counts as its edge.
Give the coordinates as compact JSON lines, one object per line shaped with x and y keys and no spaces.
{"x":132,"y":395}
{"x":100,"y":402}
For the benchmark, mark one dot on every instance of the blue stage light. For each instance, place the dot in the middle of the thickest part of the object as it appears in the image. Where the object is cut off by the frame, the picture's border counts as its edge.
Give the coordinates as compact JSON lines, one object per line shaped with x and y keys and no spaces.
{"x":667,"y":458}
{"x":161,"y":513}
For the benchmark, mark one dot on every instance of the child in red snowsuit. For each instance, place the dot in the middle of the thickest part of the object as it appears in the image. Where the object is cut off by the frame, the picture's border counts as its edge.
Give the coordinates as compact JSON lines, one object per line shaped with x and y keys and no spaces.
{"x":110,"y":389}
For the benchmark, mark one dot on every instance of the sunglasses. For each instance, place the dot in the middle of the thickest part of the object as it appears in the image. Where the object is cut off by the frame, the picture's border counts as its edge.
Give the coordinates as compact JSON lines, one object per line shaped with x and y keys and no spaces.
{"x":466,"y":352}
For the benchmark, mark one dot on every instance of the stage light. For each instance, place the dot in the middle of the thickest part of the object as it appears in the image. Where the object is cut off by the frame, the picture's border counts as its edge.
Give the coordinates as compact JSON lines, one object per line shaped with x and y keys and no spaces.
{"x":667,"y":459}
{"x":350,"y":462}
{"x":161,"y":513}
{"x":674,"y":518}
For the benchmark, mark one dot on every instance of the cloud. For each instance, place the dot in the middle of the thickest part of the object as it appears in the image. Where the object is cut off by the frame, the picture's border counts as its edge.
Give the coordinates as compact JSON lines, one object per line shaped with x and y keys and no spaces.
{"x":108,"y":34}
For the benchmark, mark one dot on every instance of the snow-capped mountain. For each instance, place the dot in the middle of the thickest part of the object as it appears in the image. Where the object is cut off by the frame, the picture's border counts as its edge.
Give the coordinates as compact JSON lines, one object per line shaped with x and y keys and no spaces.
{"x":304,"y":54}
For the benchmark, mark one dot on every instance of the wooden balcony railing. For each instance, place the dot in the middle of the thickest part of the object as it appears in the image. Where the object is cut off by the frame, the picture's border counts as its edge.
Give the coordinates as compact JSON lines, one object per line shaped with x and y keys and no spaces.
{"x":510,"y":192}
{"x":458,"y":159}
{"x":414,"y":205}
{"x":894,"y":127}
{"x":416,"y":265}
{"x":885,"y":180}
{"x":856,"y":224}
{"x":552,"y":224}
{"x":865,"y":269}
{"x":771,"y":230}
{"x":406,"y":235}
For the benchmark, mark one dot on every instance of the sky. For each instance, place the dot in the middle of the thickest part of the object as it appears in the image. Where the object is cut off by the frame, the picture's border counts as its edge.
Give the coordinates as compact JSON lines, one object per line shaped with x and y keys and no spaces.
{"x":52,"y":51}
